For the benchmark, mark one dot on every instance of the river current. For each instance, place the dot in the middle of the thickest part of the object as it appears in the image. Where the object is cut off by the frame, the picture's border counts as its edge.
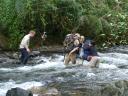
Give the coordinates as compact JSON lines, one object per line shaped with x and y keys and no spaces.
{"x":113,"y":66}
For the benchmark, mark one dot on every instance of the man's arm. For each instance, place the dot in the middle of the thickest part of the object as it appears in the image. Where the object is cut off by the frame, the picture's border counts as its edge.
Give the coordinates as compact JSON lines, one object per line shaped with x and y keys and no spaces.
{"x":76,"y":43}
{"x":75,"y":49}
{"x":27,"y":48}
{"x":26,"y":44}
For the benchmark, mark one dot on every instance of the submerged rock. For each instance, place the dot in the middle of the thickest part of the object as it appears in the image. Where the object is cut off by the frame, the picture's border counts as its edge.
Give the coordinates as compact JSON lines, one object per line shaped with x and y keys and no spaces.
{"x":18,"y":92}
{"x":44,"y":91}
{"x":51,"y":92}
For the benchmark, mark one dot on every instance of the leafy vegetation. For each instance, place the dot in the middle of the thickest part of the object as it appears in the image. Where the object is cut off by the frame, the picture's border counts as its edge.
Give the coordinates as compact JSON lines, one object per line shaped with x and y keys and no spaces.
{"x":103,"y":20}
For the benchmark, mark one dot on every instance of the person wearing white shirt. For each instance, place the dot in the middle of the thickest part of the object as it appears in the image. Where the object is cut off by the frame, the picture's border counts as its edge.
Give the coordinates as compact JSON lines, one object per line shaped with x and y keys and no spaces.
{"x":24,"y":46}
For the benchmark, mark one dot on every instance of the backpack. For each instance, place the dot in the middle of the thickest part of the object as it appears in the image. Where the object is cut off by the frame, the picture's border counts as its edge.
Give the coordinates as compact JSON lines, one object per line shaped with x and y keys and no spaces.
{"x":68,"y":43}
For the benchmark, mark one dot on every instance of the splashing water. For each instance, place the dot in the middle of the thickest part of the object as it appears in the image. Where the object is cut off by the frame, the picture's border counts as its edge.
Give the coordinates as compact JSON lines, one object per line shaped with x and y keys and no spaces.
{"x":12,"y":77}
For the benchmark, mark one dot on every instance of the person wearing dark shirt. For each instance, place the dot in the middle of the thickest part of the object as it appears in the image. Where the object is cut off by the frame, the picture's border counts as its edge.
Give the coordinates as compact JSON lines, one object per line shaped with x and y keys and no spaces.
{"x":90,"y":53}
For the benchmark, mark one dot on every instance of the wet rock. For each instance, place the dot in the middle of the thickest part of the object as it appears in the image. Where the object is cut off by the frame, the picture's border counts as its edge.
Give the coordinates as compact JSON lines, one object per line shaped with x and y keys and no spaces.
{"x":90,"y":82}
{"x":52,"y":49}
{"x":16,"y":55}
{"x":2,"y":60}
{"x":52,"y":92}
{"x":35,"y":53}
{"x":119,"y":88}
{"x":12,"y":59}
{"x":43,"y":91}
{"x":38,"y":90}
{"x":40,"y":61}
{"x":18,"y":92}
{"x":12,"y":55}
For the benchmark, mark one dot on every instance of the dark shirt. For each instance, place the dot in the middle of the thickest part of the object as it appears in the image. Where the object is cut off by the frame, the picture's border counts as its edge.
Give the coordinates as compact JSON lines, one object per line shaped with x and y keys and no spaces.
{"x":89,"y":49}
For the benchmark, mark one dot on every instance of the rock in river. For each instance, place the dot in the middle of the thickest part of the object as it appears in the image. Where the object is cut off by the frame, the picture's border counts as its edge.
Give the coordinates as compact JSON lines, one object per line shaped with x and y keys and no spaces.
{"x":18,"y":92}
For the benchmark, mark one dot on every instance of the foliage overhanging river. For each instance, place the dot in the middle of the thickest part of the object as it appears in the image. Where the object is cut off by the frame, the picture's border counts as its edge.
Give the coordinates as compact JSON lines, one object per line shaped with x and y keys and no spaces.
{"x":107,"y":80}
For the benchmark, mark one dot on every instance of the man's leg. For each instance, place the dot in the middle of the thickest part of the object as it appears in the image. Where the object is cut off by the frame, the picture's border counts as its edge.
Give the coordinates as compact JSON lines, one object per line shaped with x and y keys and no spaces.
{"x":66,"y":59}
{"x":98,"y":62}
{"x":94,"y":62}
{"x":24,"y":56}
{"x":73,"y":58}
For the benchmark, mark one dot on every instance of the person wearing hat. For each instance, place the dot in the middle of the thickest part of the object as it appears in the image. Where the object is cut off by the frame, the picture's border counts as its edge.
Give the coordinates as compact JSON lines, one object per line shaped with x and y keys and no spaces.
{"x":24,"y":47}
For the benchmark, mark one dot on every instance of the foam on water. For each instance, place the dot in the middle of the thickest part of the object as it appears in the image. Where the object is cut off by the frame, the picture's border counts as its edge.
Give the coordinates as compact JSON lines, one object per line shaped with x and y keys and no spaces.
{"x":115,"y":55}
{"x":6,"y":69}
{"x":108,"y":61}
{"x":90,"y":74}
{"x":107,"y":66}
{"x":112,"y":60}
{"x":115,"y":61}
{"x":56,"y":63}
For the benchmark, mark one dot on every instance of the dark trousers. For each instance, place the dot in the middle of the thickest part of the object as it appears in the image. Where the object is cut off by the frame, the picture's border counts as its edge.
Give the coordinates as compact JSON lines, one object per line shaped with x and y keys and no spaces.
{"x":24,"y":56}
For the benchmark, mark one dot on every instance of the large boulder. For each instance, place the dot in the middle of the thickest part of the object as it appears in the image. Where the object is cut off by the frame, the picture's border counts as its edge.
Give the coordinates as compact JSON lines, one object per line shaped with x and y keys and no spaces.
{"x":18,"y":92}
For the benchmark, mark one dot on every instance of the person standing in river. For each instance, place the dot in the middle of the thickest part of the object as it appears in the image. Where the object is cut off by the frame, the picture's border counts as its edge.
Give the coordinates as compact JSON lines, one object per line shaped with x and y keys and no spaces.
{"x":24,"y":47}
{"x":90,"y":53}
{"x":72,"y":54}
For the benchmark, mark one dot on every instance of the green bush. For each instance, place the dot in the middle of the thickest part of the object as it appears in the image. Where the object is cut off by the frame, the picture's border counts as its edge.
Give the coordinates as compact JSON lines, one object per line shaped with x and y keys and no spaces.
{"x":103,"y":20}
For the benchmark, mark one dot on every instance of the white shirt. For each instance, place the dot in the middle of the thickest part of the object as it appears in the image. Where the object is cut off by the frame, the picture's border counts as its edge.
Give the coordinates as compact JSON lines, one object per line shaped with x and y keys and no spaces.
{"x":25,"y":41}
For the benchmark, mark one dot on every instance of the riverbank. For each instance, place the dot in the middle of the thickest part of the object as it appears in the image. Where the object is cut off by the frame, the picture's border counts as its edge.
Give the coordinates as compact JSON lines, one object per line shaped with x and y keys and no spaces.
{"x":51,"y":49}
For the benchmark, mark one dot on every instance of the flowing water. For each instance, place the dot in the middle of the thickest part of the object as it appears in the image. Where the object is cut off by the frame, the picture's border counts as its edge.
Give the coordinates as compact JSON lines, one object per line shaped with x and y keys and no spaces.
{"x":51,"y":70}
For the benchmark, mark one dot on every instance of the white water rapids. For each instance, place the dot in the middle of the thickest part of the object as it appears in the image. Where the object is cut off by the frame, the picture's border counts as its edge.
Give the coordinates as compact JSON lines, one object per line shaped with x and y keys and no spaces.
{"x":109,"y":61}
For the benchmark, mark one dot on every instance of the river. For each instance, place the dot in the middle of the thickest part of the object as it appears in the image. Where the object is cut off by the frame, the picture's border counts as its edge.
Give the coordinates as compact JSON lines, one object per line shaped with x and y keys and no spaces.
{"x":49,"y":70}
